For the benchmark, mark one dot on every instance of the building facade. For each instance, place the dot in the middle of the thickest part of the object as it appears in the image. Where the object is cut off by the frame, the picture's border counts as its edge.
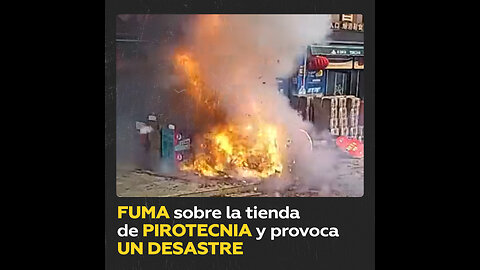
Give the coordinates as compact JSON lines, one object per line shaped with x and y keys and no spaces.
{"x":344,"y":73}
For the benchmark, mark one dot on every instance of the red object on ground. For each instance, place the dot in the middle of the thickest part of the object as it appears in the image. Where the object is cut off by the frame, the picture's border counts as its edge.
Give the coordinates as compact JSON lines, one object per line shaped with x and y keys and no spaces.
{"x":353,"y":146}
{"x":318,"y":62}
{"x":342,"y":141}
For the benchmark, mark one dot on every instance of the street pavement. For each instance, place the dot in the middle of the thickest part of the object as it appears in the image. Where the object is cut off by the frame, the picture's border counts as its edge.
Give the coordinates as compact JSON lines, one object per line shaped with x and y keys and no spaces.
{"x":142,"y":183}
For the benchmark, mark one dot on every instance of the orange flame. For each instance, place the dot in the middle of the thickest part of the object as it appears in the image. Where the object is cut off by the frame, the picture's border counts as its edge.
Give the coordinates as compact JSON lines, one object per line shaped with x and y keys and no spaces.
{"x":196,"y":86}
{"x":239,"y":148}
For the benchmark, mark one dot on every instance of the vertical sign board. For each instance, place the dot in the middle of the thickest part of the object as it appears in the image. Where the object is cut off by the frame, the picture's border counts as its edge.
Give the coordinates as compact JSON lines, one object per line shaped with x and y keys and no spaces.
{"x":315,"y":82}
{"x":168,"y":136}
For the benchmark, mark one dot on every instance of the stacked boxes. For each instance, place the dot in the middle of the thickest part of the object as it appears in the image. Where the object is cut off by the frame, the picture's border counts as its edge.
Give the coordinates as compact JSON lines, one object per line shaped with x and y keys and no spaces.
{"x":321,"y":108}
{"x":353,"y":118}
{"x":344,"y":116}
{"x":361,"y":122}
{"x":334,"y":127}
{"x":360,"y":133}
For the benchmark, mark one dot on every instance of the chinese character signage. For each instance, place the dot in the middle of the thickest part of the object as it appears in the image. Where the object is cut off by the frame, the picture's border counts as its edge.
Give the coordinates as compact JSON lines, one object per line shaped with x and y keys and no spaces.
{"x":351,"y":26}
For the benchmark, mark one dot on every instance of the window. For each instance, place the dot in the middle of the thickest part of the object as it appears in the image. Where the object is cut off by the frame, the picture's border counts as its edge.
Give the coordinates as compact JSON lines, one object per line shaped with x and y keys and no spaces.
{"x":347,"y":17}
{"x":335,"y":17}
{"x":341,"y":84}
{"x":358,"y":18}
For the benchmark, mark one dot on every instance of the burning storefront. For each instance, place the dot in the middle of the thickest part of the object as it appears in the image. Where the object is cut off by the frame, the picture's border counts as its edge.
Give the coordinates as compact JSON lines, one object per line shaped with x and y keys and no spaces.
{"x":239,"y":127}
{"x":242,"y":145}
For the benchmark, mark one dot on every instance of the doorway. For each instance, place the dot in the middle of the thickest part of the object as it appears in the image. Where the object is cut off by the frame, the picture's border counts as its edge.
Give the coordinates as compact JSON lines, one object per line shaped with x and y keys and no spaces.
{"x":341,"y":83}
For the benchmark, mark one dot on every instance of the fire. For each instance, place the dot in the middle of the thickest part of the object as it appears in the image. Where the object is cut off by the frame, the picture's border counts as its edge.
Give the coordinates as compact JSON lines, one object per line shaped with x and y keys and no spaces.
{"x":197,"y":88}
{"x":238,"y":150}
{"x":241,"y":147}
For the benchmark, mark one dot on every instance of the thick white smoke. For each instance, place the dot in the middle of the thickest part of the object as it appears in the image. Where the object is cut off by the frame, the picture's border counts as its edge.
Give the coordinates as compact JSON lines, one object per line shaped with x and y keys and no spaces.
{"x":241,"y":56}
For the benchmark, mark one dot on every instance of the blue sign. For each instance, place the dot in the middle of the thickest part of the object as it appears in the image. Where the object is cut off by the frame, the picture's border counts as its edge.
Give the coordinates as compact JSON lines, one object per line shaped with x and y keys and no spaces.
{"x":167,"y":143}
{"x":315,"y":82}
{"x":183,"y":145}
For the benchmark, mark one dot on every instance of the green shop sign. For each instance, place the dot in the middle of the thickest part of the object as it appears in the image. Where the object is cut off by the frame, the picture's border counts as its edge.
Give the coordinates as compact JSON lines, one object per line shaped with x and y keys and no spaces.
{"x":337,"y":50}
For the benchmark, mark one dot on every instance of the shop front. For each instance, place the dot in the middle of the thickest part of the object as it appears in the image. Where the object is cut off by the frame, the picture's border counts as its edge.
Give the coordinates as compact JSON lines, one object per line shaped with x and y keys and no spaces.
{"x":342,"y":76}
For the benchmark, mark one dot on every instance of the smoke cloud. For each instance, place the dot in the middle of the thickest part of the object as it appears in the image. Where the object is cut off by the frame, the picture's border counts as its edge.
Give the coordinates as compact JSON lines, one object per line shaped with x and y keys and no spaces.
{"x":240,"y":57}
